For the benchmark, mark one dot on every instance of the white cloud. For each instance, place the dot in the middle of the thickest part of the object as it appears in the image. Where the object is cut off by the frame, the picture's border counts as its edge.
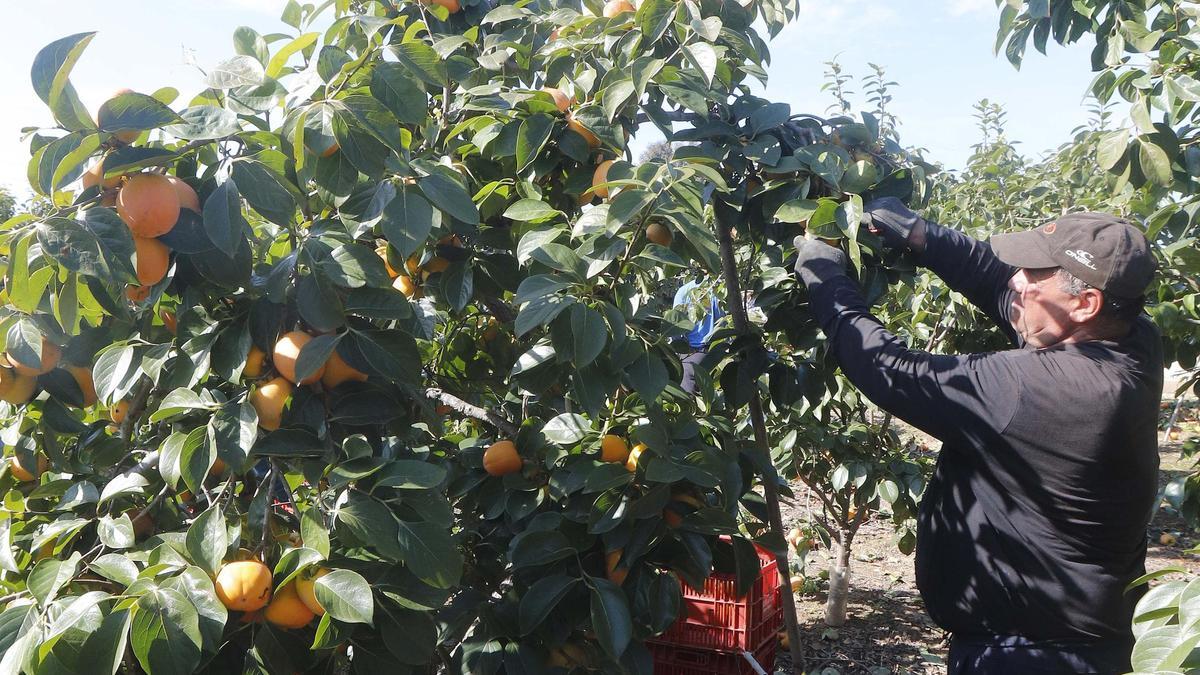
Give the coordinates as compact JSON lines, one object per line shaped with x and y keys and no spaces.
{"x":270,"y":7}
{"x":961,"y":7}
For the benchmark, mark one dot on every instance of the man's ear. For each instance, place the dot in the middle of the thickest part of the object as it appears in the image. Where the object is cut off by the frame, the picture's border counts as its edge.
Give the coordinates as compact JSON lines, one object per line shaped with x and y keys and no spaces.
{"x":1087,"y":305}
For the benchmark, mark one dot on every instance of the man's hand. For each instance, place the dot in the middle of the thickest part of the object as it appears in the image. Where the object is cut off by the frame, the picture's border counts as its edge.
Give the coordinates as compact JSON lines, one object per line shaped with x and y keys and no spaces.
{"x":817,"y":261}
{"x":895,"y":223}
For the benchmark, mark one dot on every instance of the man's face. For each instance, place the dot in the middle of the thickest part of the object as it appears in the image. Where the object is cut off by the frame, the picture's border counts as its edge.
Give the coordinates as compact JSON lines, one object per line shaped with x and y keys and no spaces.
{"x":1041,"y":308}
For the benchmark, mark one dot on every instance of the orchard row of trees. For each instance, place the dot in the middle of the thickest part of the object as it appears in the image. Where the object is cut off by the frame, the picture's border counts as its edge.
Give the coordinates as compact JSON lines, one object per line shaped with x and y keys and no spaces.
{"x":361,"y":358}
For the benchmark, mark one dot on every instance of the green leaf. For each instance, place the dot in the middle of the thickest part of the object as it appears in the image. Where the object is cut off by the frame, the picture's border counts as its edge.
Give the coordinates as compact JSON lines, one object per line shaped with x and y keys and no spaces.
{"x":360,"y":148}
{"x":626,"y":205}
{"x":113,"y":372}
{"x":704,"y":57}
{"x":115,"y":566}
{"x":539,"y":547}
{"x":540,"y":312}
{"x":410,"y":636}
{"x":115,"y":533}
{"x":531,"y":138}
{"x":541,"y":599}
{"x":1159,"y":601}
{"x":288,"y":443}
{"x":615,"y":96}
{"x":1164,"y":648}
{"x":377,"y":303}
{"x":134,"y":112}
{"x":1111,"y":148}
{"x":49,"y":576}
{"x":422,"y":61}
{"x":275,"y":67}
{"x":567,"y":429}
{"x":353,"y":266}
{"x":410,"y":474}
{"x":73,"y":614}
{"x":8,"y":561}
{"x":267,"y":192}
{"x":589,"y":335}
{"x":610,"y":617}
{"x":1155,"y":163}
{"x":531,"y":211}
{"x":313,"y":531}
{"x":1150,"y":576}
{"x":207,"y":539}
{"x":429,"y":552}
{"x":197,"y":586}
{"x":239,"y":71}
{"x":457,"y":285}
{"x":314,"y":354}
{"x":654,"y":17}
{"x":51,"y":80}
{"x":330,"y":61}
{"x":223,"y":220}
{"x":346,"y":596}
{"x":403,"y":94}
{"x":166,"y":633}
{"x":104,"y":648}
{"x":205,"y":122}
{"x":408,"y":219}
{"x":448,"y":195}
{"x":319,"y":304}
{"x":391,"y":354}
{"x":648,"y":375}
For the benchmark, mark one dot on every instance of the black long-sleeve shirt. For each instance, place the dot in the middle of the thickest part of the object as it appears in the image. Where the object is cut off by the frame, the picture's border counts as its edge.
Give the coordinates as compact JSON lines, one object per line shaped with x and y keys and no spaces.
{"x":1035,"y":519}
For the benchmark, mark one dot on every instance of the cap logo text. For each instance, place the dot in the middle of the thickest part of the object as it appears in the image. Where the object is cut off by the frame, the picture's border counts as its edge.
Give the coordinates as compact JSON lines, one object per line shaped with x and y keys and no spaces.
{"x":1082,"y":257}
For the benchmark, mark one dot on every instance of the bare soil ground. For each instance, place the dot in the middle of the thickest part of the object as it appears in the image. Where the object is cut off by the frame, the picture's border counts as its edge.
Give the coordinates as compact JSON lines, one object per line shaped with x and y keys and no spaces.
{"x":887,"y":629}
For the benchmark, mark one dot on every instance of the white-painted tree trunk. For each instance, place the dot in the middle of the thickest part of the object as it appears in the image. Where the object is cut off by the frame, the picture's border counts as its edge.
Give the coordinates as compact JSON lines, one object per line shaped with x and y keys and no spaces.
{"x":839,"y":583}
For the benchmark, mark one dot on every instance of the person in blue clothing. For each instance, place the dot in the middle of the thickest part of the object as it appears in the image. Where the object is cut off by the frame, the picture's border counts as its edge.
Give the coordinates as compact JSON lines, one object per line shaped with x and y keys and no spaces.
{"x":700,"y":334}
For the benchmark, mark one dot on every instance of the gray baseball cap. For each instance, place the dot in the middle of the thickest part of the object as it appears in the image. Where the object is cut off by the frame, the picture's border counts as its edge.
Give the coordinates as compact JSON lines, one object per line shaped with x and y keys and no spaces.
{"x":1103,"y":250}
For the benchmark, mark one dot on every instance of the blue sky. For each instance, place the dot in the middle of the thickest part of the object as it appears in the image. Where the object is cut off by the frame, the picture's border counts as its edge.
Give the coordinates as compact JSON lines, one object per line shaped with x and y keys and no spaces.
{"x":939,"y":51}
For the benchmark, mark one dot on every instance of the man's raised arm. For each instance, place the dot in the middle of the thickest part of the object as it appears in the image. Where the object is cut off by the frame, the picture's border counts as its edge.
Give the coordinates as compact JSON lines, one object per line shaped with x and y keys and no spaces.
{"x":967,"y":265}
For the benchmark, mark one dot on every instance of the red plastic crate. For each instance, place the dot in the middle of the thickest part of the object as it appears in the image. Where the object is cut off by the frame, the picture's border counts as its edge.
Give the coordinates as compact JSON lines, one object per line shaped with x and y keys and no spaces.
{"x":675,"y":660}
{"x":716,"y":618}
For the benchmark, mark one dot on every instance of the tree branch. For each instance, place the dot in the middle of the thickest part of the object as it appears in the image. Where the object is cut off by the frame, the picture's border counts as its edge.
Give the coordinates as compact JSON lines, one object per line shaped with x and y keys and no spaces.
{"x":770,"y":483}
{"x":137,"y":405}
{"x":483,"y":414}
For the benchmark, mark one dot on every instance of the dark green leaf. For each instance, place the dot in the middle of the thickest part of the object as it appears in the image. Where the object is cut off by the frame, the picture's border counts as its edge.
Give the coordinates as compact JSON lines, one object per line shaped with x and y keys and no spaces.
{"x":450,"y":196}
{"x":420,"y":60}
{"x":541,"y":598}
{"x":223,"y":219}
{"x":403,"y":94}
{"x":610,"y":617}
{"x":532,"y":548}
{"x":429,"y":552}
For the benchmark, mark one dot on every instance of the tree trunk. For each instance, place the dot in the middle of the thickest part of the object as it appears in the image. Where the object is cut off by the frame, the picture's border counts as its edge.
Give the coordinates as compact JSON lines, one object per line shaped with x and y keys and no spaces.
{"x":839,"y":583}
{"x":741,"y":323}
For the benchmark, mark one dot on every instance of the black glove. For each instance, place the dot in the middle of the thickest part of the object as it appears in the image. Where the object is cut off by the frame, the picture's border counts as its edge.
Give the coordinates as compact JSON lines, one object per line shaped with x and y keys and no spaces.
{"x":894,"y":222}
{"x":817,"y":261}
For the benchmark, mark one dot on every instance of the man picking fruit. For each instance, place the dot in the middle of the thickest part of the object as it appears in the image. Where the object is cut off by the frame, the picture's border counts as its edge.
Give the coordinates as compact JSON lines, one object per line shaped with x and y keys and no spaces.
{"x":1035,"y":519}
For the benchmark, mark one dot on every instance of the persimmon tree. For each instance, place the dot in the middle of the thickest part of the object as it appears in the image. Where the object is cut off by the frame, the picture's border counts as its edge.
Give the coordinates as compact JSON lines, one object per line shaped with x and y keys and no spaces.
{"x":402,"y":396}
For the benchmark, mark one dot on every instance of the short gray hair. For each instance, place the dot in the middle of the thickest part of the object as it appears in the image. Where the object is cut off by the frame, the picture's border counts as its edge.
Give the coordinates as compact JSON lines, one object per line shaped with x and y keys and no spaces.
{"x":1071,"y":284}
{"x":1123,"y":310}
